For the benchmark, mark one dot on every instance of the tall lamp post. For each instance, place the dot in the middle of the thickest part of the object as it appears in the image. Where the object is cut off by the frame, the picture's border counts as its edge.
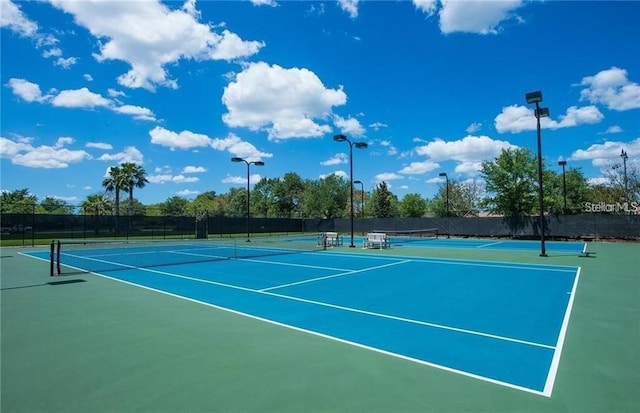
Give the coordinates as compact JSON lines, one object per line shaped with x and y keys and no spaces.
{"x":564,"y":185}
{"x":624,"y":157}
{"x":447,"y":200}
{"x":358,"y":145}
{"x":361,"y":193}
{"x":536,"y":97}
{"x":249,"y":163}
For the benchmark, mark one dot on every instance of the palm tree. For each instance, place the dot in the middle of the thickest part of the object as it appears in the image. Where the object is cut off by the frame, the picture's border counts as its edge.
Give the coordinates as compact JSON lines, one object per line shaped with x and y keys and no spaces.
{"x":134,"y":176}
{"x":96,"y":204}
{"x":115,"y":183}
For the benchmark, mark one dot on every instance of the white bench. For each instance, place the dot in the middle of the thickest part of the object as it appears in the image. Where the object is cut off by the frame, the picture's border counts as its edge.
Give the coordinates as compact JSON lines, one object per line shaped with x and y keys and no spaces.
{"x":376,"y":240}
{"x":332,"y":239}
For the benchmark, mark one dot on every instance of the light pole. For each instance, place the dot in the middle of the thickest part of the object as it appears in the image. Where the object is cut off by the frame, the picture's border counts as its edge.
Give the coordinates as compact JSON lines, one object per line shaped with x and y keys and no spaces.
{"x":359,"y":145}
{"x":536,"y":97}
{"x":249,"y":163}
{"x":447,"y":200}
{"x":564,"y":185}
{"x":624,"y":157}
{"x":362,"y":195}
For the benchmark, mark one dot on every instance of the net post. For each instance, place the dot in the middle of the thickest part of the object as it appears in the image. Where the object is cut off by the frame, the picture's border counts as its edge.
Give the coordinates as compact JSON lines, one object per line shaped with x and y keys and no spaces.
{"x":51,"y":258}
{"x":58,"y":258}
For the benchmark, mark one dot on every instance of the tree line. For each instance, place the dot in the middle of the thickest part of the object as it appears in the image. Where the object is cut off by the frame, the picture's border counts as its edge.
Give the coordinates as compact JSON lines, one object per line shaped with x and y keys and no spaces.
{"x":508,"y":186}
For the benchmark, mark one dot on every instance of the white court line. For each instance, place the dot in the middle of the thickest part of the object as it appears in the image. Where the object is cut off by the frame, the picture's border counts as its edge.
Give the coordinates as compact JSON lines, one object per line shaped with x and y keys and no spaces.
{"x":333,"y":276}
{"x":555,"y":362}
{"x":489,"y":244}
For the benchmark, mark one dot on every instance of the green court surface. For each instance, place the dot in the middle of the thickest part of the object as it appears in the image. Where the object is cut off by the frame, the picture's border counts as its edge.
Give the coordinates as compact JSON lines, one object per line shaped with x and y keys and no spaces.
{"x":85,"y":343}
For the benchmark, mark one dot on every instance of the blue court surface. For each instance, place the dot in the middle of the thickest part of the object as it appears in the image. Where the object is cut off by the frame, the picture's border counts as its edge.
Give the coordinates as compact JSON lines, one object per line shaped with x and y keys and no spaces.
{"x":499,"y":322}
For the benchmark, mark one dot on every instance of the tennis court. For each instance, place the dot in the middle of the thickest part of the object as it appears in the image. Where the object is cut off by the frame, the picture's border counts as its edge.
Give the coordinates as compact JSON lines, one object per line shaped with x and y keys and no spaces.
{"x":503,"y":323}
{"x":495,"y":322}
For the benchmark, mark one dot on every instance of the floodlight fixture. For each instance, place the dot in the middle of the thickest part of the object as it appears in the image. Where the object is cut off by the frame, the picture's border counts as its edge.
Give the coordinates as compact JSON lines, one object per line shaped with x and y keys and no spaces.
{"x":534,"y":97}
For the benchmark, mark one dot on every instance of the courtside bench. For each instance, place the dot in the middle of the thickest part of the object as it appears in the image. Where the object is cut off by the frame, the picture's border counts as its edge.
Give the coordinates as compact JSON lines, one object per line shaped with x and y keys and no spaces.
{"x":332,"y":239}
{"x":376,"y":240}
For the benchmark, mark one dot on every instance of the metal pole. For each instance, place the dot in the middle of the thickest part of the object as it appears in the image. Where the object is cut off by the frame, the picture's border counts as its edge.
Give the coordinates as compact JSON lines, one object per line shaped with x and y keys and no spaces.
{"x":564,"y":189}
{"x":448,"y":218}
{"x":624,"y":161}
{"x":351,"y":185}
{"x":543,"y":251}
{"x":248,"y":204}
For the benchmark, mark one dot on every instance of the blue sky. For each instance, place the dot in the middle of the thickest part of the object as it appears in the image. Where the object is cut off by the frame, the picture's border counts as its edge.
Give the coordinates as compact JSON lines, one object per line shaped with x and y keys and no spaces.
{"x":431,"y":86}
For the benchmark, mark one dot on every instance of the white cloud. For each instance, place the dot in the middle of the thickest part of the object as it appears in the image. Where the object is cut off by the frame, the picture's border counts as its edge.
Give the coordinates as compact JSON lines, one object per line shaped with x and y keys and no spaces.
{"x":66,"y":63}
{"x":436,"y":180}
{"x":99,"y":145}
{"x":9,"y":148}
{"x":418,"y":168}
{"x":130,"y":154}
{"x":339,"y":173}
{"x":190,"y":140}
{"x":349,"y":126}
{"x":467,"y":149}
{"x":242,"y":180}
{"x":387,"y":176}
{"x":137,"y":112}
{"x":471,"y":16}
{"x":176,"y":179}
{"x":336,"y":159}
{"x":115,"y":93}
{"x":517,"y":118}
{"x":391,"y":150}
{"x":376,"y":126}
{"x":193,"y":169}
{"x":600,"y":180}
{"x":602,"y":155}
{"x":149,"y":35}
{"x":282,"y":101}
{"x":474,"y":127}
{"x":53,"y":52}
{"x":349,"y":6}
{"x":79,"y":98}
{"x":427,"y":6}
{"x":62,"y":141}
{"x":613,"y":129}
{"x":13,"y":19}
{"x":468,"y":168}
{"x":611,"y":88}
{"x":237,"y":147}
{"x":47,"y":157}
{"x":271,"y":3}
{"x":30,"y":92}
{"x":187,"y":192}
{"x":182,"y":140}
{"x":180,"y":179}
{"x":88,"y":77}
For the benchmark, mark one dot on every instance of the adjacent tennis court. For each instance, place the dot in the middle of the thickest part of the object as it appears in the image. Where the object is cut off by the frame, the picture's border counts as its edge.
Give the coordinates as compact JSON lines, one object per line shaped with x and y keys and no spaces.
{"x":284,"y":324}
{"x":503,"y":323}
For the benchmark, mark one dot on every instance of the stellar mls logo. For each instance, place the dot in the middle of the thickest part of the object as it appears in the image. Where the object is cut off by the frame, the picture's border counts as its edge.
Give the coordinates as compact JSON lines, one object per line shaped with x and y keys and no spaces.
{"x":631,"y":208}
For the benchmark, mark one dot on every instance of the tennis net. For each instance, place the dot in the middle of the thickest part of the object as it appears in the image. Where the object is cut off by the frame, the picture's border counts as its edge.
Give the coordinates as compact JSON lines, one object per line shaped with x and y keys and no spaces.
{"x":410,"y":234}
{"x":115,"y":255}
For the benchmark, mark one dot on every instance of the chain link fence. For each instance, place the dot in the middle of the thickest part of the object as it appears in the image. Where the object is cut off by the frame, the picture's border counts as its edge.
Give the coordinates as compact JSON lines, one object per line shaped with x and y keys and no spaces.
{"x":31,"y":229}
